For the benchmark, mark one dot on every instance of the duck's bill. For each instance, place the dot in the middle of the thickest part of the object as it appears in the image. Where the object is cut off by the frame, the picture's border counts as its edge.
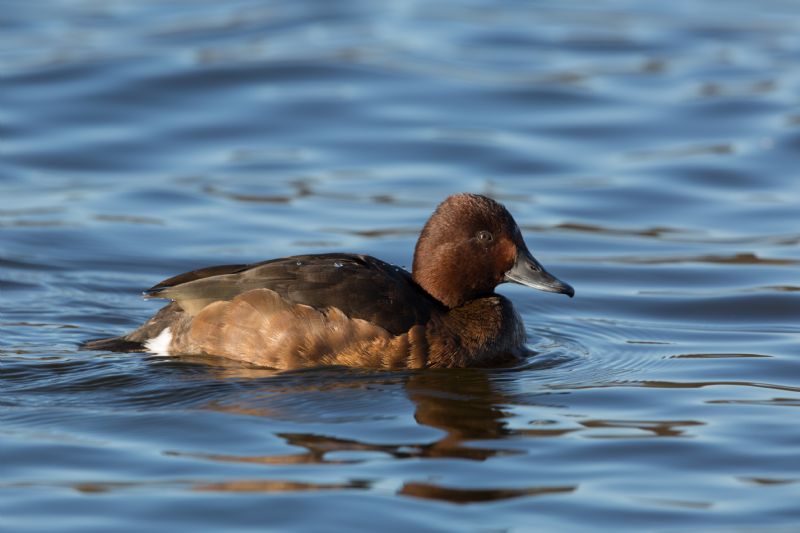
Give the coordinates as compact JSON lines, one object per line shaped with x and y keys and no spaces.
{"x":529,"y":272}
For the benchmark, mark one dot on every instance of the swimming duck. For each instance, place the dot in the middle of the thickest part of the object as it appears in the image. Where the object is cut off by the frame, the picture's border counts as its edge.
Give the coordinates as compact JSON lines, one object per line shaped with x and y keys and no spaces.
{"x":356,"y":310}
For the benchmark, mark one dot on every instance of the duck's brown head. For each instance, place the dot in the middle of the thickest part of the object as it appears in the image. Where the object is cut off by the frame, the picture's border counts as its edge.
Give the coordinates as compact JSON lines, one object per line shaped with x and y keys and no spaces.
{"x":470,"y":245}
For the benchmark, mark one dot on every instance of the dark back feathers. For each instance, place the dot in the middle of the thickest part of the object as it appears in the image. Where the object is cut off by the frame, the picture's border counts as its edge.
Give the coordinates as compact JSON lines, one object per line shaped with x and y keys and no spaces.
{"x":360,"y":286}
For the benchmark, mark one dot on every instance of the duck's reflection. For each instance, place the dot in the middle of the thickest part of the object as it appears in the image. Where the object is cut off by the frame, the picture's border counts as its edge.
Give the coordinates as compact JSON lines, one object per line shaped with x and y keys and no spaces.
{"x":463,"y":404}
{"x":460,"y":403}
{"x":468,"y":409}
{"x":476,"y":418}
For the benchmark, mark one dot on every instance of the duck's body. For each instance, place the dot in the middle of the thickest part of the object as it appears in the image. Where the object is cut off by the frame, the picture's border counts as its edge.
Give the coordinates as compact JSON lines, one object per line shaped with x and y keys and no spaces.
{"x":355,"y":310}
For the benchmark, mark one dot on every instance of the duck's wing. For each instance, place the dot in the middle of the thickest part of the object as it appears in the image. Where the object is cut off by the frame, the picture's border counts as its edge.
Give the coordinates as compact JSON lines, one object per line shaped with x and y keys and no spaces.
{"x":359,"y":286}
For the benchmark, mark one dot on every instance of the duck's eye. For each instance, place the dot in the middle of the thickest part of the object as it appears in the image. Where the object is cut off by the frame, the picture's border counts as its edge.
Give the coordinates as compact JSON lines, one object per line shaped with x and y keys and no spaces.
{"x":484,"y":236}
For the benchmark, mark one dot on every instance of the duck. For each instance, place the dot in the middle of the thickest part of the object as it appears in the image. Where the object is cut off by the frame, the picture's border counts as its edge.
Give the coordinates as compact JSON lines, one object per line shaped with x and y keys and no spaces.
{"x":351,"y":310}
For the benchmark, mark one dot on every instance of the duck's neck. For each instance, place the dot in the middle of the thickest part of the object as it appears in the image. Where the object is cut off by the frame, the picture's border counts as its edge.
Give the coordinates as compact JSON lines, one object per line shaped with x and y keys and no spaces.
{"x":449,"y":281}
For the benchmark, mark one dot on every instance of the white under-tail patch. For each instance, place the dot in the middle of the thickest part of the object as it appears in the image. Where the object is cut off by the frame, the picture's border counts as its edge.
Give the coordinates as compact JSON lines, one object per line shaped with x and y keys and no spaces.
{"x":159,"y":344}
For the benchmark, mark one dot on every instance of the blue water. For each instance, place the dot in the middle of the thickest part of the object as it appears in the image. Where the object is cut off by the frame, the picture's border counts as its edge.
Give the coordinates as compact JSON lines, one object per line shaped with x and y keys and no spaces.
{"x":649,"y":150}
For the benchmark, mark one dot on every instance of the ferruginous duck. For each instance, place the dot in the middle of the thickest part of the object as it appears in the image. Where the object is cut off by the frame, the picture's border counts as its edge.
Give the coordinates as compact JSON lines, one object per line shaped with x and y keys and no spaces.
{"x":356,"y":310}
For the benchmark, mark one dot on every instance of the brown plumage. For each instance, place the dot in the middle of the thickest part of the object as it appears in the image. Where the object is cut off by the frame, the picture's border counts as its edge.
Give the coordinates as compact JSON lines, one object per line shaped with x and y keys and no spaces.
{"x":355,"y":310}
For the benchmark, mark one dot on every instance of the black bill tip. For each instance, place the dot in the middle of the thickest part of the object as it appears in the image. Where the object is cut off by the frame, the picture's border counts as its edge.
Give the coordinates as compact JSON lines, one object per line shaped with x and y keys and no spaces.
{"x":529,"y":272}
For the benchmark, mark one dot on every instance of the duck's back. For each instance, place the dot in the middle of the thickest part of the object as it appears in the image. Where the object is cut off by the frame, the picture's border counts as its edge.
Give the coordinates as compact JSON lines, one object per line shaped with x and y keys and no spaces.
{"x":360,"y":286}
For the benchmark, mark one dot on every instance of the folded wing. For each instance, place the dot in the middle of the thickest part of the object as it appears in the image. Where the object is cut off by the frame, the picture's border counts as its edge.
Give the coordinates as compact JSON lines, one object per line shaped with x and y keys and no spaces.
{"x":357,"y":285}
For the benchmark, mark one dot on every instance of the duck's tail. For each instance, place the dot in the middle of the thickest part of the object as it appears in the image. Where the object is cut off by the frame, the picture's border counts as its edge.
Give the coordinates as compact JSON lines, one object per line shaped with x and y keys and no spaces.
{"x":137,"y":340}
{"x":113,"y":344}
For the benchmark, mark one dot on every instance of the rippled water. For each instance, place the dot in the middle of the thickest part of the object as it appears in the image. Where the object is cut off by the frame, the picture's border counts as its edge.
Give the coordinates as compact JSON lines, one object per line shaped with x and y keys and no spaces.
{"x":648,"y":149}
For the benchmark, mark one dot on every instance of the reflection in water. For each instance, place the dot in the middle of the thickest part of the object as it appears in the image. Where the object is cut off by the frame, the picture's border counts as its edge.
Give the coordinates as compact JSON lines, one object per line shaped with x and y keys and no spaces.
{"x":99,"y":488}
{"x":457,"y":495}
{"x":720,"y":356}
{"x":272,"y":485}
{"x":130,"y":219}
{"x":770,"y":480}
{"x":674,"y":153}
{"x":255,"y":485}
{"x":462,"y":403}
{"x":656,"y":232}
{"x":671,"y":234}
{"x":701,"y":384}
{"x":378,"y":233}
{"x":464,"y":406}
{"x":312,"y":455}
{"x":686,"y":385}
{"x":685,"y":504}
{"x":656,"y":428}
{"x":249,"y":198}
{"x":318,"y":450}
{"x":735,"y":259}
{"x":779,"y":402}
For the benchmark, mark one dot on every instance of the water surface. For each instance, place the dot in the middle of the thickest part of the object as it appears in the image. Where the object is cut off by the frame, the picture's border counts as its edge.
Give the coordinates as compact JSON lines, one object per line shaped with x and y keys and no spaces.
{"x":648,"y":150}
